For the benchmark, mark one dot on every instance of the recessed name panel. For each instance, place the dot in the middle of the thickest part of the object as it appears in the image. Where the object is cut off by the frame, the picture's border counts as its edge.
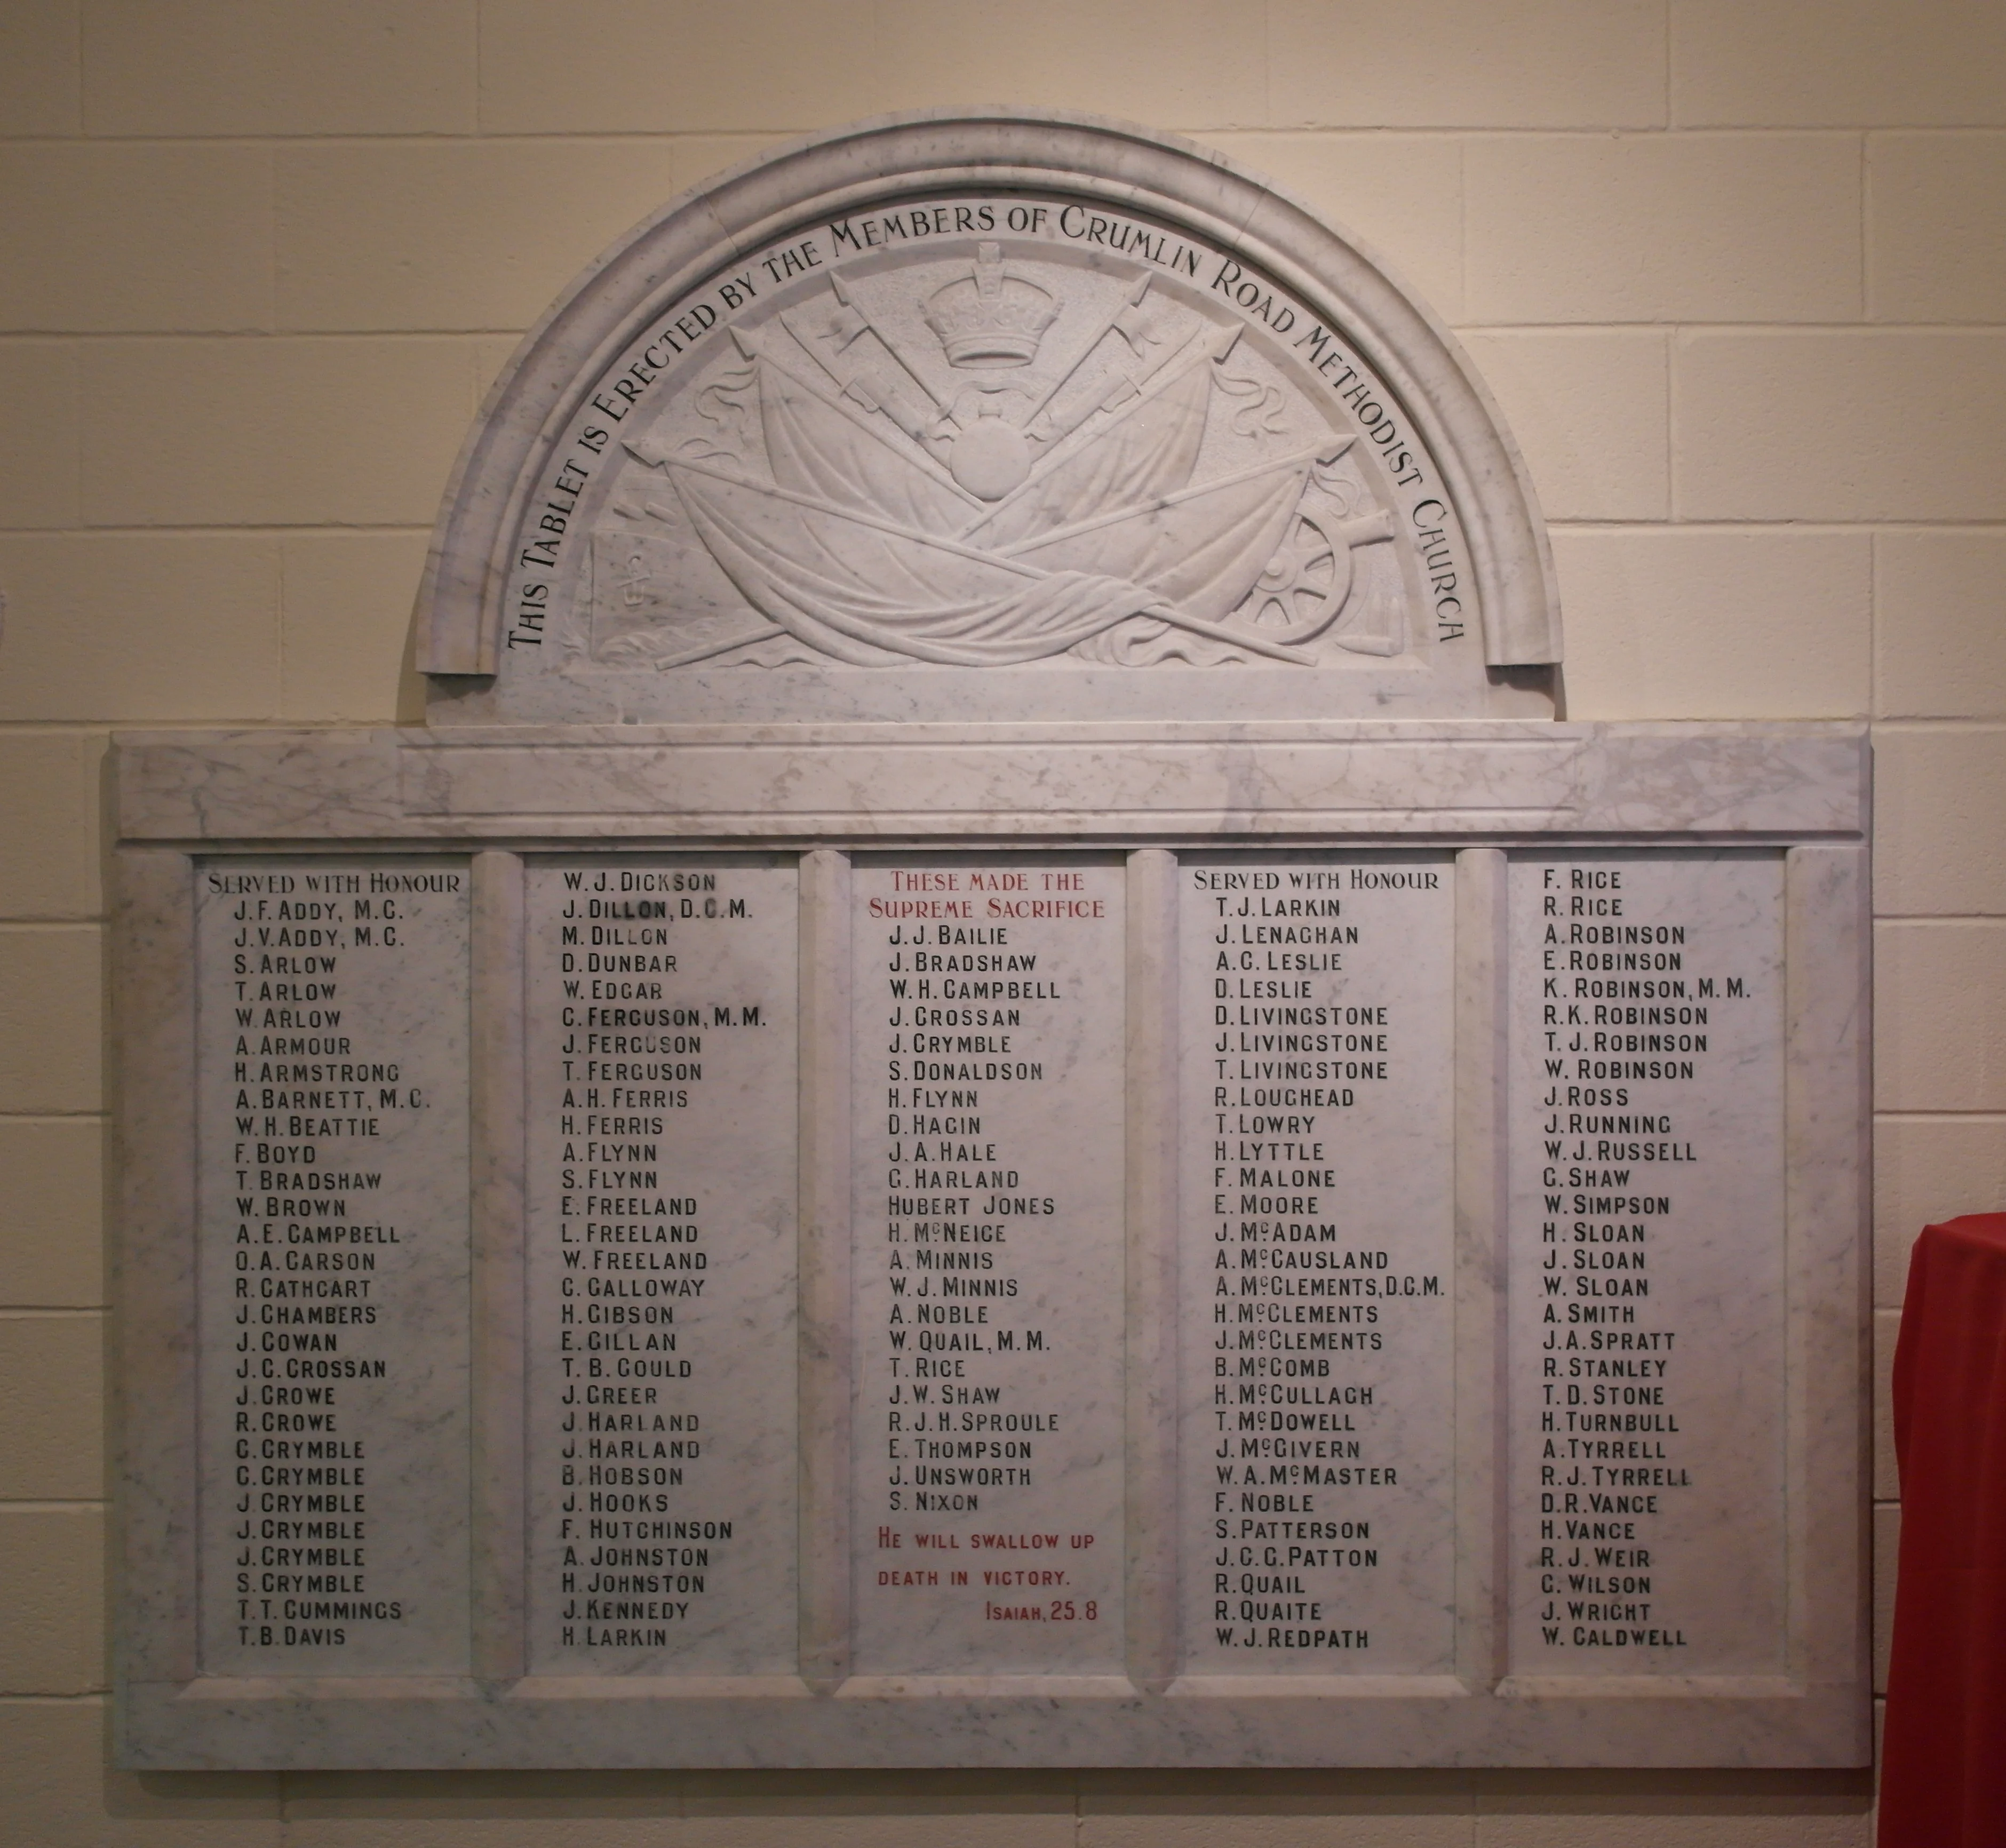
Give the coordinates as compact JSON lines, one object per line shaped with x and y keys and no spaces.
{"x":1318,"y":1422}
{"x":661,"y":1265}
{"x":989,"y":1229}
{"x":333,"y":1261}
{"x":1646,"y":1266}
{"x":1115,"y":1301}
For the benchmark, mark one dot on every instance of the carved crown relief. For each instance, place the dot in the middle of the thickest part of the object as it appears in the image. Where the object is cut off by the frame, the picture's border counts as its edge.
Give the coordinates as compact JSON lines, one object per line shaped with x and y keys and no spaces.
{"x":977,"y":461}
{"x":846,"y":409}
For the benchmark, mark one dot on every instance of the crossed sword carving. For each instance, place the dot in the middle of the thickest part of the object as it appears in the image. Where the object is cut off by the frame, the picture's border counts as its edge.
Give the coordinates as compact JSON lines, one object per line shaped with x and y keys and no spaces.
{"x":1124,"y":397}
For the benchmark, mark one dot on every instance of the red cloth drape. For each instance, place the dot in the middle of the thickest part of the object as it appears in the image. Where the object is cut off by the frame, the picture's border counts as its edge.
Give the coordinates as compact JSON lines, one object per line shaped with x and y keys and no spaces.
{"x":1943,"y":1773}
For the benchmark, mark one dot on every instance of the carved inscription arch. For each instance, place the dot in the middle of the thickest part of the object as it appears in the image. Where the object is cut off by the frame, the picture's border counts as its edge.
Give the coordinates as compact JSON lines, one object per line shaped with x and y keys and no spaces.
{"x":979,"y":391}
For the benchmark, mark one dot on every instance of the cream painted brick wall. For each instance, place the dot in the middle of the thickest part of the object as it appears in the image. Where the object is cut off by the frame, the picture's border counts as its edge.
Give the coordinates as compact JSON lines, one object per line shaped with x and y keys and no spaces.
{"x":609,"y":67}
{"x":1671,"y":623}
{"x":1198,"y":1822}
{"x":1928,"y":1169}
{"x":1402,"y":194}
{"x":1886,"y":1472}
{"x":1026,"y":1821}
{"x":1934,"y":251}
{"x":50,"y":801}
{"x":1880,"y":425}
{"x":51,"y":1562}
{"x":346,"y":631}
{"x":418,"y":1811}
{"x":180,"y":237}
{"x":1693,"y":1822}
{"x":396,"y":235}
{"x":1939,"y":849}
{"x":145,"y":627}
{"x":1887,"y":1551}
{"x":41,"y":73}
{"x":1731,"y":267}
{"x":1589,"y":408}
{"x":1813,"y":63}
{"x":278,"y":432}
{"x":39,"y":479}
{"x":348,"y":627}
{"x":1537,"y":64}
{"x":1190,"y":62}
{"x":280,"y":67}
{"x":1654,"y":227}
{"x":51,"y":1407}
{"x":56,"y":1792}
{"x":1940,"y":632}
{"x":614,"y":66}
{"x":51,"y":1213}
{"x":51,"y":1019}
{"x":414,"y":1823}
{"x":1940,"y":1016}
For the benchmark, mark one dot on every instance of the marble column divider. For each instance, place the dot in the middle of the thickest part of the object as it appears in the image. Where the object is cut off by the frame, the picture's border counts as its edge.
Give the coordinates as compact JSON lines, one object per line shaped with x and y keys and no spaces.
{"x":1154,"y":1644}
{"x":497,"y":1133}
{"x":1483,"y":1531}
{"x":1828,"y":1127}
{"x":154,"y":1262}
{"x":826,"y":1353}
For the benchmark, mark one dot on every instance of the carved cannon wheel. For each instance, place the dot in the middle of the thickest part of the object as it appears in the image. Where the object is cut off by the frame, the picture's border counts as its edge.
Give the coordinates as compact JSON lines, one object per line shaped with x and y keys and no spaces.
{"x":1297,"y":596}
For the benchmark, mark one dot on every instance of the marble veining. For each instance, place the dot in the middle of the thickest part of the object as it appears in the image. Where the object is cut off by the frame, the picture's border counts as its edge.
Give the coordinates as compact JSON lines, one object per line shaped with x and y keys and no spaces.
{"x":660,"y":1465}
{"x":967,"y":394}
{"x":1318,"y":1414}
{"x":1645,"y":1266}
{"x":331,"y":1252}
{"x":987,"y":1234}
{"x":991,"y":1091}
{"x":1167,"y":783}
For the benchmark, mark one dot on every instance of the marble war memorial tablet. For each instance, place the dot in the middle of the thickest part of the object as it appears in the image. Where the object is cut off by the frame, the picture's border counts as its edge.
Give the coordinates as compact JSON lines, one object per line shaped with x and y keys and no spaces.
{"x":993,"y":1088}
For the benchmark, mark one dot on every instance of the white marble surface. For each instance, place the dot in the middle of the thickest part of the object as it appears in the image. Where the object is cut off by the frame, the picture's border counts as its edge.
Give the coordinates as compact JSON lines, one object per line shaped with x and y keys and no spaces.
{"x":870,"y":353}
{"x":1646,"y":1266}
{"x":954,"y":455}
{"x":988,"y":1267}
{"x":1318,"y":1415}
{"x":1045,"y":498}
{"x":1156,"y":784}
{"x":793,"y":606}
{"x":661,"y":1266}
{"x":331,"y":1062}
{"x":822,"y":1682}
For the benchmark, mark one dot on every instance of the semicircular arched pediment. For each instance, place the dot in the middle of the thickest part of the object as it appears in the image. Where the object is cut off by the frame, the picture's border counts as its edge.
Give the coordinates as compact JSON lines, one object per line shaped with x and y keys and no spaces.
{"x":1066,"y":406}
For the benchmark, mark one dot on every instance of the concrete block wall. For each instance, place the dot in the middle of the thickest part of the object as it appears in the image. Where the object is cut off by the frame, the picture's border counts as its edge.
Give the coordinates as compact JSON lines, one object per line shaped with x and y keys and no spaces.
{"x":1731,"y":267}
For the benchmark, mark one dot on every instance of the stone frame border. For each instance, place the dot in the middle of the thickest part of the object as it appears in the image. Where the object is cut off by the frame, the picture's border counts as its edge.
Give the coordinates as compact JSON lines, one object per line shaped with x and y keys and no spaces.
{"x":1801,"y":790}
{"x":889,"y":157}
